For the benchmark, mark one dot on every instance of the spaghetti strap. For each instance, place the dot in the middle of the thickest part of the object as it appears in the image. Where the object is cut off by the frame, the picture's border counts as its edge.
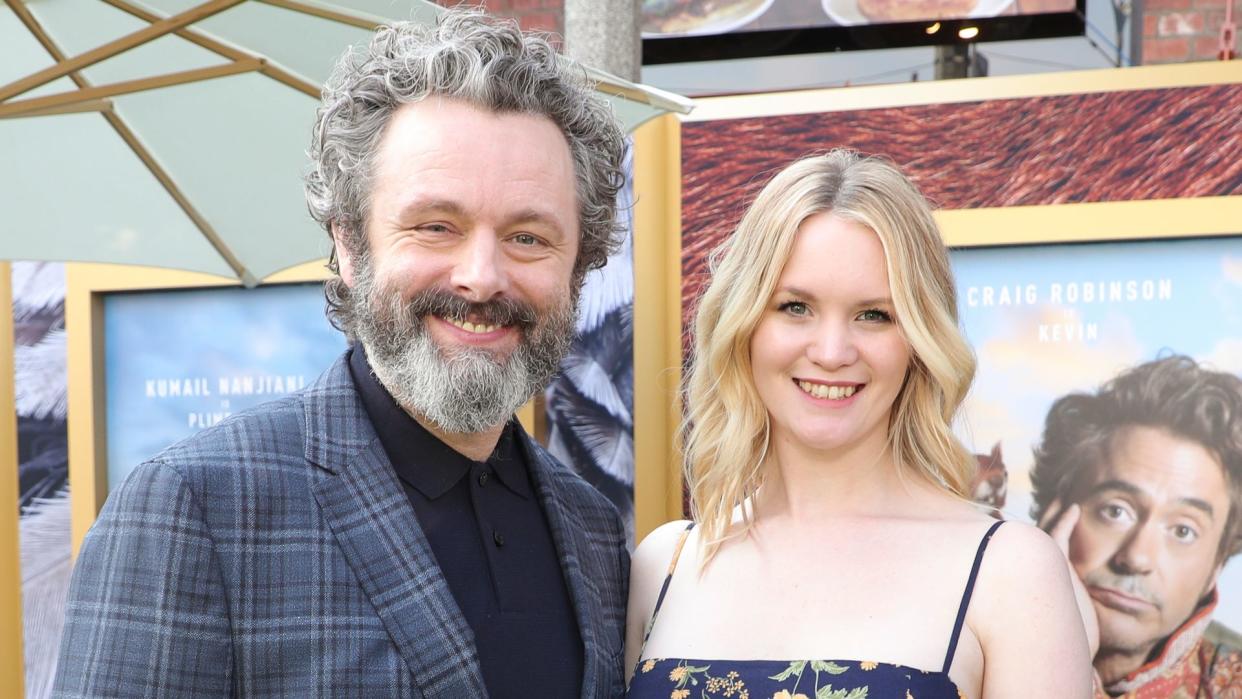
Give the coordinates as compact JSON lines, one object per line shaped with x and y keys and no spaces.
{"x":672,"y":565}
{"x":970,"y":587}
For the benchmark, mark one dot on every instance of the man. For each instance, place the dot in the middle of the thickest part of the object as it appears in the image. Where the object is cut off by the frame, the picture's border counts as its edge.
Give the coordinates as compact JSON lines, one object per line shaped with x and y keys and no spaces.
{"x":1150,"y":468}
{"x":391,"y":530}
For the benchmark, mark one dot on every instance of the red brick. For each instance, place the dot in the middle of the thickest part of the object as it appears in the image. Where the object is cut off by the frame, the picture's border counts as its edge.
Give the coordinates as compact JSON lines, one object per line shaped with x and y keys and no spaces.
{"x":1155,"y":5}
{"x":526,"y":5}
{"x":1171,"y":50}
{"x":1149,"y":25}
{"x":1207,"y":48}
{"x":1202,"y":4}
{"x":1213,"y":20}
{"x":1181,"y":24}
{"x":540,"y":21}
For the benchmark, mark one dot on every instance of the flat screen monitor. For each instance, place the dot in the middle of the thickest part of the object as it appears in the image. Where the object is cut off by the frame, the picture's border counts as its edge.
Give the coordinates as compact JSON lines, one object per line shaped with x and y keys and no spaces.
{"x":678,"y":31}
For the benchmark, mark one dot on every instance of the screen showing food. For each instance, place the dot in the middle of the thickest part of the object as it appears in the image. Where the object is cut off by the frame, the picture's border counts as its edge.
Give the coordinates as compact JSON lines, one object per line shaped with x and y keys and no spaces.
{"x":679,"y":31}
{"x":671,"y":18}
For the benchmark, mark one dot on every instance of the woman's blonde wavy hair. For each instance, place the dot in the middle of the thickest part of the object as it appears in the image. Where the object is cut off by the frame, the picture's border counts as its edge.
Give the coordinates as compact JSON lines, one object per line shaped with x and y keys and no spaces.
{"x":725,"y":437}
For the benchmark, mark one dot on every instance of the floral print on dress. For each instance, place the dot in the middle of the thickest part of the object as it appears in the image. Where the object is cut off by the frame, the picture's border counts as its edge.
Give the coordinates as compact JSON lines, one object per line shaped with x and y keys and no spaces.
{"x":657,"y":678}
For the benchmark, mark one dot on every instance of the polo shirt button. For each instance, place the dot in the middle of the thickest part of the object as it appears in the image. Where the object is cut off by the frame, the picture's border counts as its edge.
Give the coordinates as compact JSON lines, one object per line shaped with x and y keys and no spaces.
{"x":483,"y":479}
{"x":498,"y":538}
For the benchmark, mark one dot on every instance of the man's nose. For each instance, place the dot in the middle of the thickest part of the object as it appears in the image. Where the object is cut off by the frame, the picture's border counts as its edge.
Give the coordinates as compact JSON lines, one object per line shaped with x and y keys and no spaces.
{"x":833,"y":346}
{"x":1139,"y":550}
{"x":479,"y":272}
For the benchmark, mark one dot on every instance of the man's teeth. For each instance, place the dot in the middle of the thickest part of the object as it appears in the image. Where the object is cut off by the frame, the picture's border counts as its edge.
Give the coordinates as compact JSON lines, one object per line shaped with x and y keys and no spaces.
{"x":830,"y":392}
{"x":471,"y":327}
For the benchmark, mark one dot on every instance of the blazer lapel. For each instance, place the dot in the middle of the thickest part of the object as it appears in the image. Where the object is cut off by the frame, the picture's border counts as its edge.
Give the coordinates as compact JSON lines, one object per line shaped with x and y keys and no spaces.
{"x":572,"y":549}
{"x":376,"y":528}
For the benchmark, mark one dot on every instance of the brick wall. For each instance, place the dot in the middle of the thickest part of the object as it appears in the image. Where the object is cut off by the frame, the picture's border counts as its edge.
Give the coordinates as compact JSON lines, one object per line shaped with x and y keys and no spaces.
{"x":1177,"y":31}
{"x":542,"y":15}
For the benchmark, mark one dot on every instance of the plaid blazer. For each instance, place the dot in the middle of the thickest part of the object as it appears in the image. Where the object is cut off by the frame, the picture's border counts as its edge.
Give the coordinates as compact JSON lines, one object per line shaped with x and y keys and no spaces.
{"x":276,"y":554}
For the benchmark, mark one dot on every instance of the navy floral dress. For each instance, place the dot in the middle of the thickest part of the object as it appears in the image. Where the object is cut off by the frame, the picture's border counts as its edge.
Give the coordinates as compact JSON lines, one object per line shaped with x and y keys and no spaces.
{"x":683,"y":678}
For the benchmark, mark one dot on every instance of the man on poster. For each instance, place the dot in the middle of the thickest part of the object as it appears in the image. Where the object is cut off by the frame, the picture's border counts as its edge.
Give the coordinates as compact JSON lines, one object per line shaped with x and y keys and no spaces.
{"x":1145,"y":476}
{"x":391,"y":530}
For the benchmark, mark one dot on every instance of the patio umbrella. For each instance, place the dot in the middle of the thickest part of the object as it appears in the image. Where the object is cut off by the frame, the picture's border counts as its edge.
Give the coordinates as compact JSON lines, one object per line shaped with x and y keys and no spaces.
{"x":173,"y":134}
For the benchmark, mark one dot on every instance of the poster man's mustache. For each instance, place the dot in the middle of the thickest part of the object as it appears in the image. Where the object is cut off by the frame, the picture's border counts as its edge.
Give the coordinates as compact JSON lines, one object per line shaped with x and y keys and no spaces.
{"x":1125,"y":584}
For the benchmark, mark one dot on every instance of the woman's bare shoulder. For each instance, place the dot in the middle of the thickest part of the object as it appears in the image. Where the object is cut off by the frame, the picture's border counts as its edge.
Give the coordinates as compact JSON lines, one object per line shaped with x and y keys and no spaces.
{"x":652,"y":557}
{"x":649,"y":567}
{"x":1022,"y":569}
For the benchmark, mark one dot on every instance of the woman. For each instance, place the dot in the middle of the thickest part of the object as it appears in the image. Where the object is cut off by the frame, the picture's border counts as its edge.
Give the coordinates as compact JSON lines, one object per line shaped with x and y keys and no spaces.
{"x":836,"y":552}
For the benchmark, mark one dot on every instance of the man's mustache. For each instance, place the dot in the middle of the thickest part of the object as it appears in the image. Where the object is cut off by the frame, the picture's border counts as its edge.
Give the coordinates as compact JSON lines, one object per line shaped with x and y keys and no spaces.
{"x":1126,"y":584}
{"x":445,"y":304}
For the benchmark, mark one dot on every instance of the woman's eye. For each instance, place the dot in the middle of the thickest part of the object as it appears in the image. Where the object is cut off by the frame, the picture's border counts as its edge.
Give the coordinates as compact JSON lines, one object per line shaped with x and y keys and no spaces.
{"x":875,"y":315}
{"x":794,"y":308}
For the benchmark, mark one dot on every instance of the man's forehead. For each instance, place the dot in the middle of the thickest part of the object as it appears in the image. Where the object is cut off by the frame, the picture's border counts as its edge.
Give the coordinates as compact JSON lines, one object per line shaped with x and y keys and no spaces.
{"x":453,"y":153}
{"x":1160,"y":465}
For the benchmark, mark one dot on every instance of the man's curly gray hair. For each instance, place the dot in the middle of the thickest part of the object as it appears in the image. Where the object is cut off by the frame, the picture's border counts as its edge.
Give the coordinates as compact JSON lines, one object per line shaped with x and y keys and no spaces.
{"x":482,"y":60}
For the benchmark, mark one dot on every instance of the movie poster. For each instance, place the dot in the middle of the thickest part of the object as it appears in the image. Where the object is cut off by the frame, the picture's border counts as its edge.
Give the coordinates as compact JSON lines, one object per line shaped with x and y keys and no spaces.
{"x":590,"y":403}
{"x":1054,"y":320}
{"x":179,"y":361}
{"x":42,"y":398}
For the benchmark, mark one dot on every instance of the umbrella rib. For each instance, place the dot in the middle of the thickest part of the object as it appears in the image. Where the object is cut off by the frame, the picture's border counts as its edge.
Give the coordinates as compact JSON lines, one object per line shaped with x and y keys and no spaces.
{"x":66,"y":66}
{"x":127,"y":134}
{"x":76,"y":107}
{"x":267,"y":68}
{"x":21,"y":107}
{"x":205,"y":227}
{"x":324,"y":13}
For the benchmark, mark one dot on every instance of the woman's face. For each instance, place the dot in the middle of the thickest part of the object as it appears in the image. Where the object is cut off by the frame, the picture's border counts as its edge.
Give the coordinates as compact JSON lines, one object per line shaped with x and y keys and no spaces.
{"x":828,"y":358}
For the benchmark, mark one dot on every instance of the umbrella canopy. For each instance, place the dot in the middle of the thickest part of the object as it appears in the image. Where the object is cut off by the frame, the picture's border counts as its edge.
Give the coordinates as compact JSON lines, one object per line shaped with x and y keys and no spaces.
{"x":172,"y":133}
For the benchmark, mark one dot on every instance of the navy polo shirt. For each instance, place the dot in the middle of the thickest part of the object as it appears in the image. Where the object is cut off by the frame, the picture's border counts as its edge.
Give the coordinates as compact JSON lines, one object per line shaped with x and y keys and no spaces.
{"x":489,"y":535}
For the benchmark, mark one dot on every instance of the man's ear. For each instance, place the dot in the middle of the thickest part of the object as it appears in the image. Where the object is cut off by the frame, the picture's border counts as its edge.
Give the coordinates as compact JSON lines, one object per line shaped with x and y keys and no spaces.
{"x":344,"y":257}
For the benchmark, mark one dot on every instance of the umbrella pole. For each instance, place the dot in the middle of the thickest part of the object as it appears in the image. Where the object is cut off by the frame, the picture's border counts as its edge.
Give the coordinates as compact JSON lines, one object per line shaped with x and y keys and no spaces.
{"x":11,"y":656}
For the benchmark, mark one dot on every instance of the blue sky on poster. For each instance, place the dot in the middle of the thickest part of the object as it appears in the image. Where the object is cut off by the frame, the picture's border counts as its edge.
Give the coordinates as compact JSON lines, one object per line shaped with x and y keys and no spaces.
{"x":178,"y":361}
{"x":1050,"y":320}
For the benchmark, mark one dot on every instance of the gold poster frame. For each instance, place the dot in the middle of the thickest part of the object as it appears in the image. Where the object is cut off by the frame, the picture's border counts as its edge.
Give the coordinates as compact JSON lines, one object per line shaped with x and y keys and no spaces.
{"x":655,"y":386}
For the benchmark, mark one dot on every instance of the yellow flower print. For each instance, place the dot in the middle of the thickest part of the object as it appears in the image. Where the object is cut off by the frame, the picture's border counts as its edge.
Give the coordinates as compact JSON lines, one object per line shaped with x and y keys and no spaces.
{"x":677,"y":675}
{"x":784,"y":694}
{"x":868,"y":665}
{"x":649,"y":665}
{"x":679,"y":694}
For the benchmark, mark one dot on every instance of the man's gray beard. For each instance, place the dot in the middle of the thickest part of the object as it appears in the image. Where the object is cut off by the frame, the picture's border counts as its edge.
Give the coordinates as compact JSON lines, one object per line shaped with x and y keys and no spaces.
{"x":459,"y":389}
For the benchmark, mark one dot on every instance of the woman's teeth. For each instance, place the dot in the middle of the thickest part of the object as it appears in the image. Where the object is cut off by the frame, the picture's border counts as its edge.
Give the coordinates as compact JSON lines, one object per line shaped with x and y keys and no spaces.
{"x":473,"y":328}
{"x":830,"y":392}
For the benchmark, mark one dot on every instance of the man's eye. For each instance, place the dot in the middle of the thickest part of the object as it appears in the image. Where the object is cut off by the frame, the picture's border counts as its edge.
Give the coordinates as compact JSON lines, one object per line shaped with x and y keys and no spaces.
{"x":875,"y":315}
{"x":1184,"y":534}
{"x":525,"y":239}
{"x":434,"y":228}
{"x":793,"y":308}
{"x":1114,"y":512}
